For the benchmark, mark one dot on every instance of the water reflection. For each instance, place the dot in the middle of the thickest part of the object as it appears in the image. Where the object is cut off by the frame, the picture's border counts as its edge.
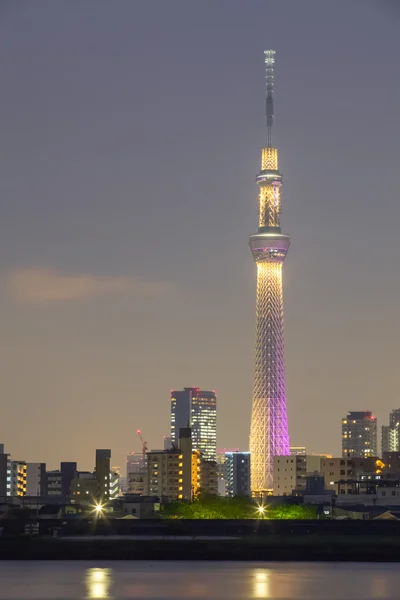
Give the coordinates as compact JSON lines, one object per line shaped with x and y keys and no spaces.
{"x":98,"y":583}
{"x":379,"y":587}
{"x":261,"y":583}
{"x":73,"y":580}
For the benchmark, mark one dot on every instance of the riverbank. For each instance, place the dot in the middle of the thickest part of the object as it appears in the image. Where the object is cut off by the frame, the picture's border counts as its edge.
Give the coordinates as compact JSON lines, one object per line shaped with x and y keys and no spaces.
{"x":271,"y":548}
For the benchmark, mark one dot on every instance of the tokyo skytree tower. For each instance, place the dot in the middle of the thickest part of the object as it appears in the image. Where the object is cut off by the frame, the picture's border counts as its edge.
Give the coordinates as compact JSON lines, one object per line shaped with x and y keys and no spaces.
{"x":269,"y":429}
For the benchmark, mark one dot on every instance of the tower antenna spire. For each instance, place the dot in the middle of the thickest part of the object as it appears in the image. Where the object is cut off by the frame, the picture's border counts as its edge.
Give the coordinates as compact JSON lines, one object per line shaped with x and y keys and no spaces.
{"x":269,"y":101}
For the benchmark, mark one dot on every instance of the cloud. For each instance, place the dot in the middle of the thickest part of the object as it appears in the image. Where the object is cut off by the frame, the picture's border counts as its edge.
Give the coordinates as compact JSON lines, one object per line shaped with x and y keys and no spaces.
{"x":38,"y":285}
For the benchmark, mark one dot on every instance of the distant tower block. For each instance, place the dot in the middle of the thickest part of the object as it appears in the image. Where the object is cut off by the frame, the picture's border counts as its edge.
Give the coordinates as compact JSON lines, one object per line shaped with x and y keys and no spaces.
{"x":269,"y":428}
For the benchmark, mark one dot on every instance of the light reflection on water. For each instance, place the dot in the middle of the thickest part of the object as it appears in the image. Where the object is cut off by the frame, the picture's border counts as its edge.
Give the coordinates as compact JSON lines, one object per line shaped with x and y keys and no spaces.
{"x":261,"y":587}
{"x":121,"y":580}
{"x":98,"y":582}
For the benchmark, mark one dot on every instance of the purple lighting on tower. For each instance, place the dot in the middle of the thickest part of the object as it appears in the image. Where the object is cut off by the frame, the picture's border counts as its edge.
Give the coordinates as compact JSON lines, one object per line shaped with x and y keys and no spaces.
{"x":269,"y":428}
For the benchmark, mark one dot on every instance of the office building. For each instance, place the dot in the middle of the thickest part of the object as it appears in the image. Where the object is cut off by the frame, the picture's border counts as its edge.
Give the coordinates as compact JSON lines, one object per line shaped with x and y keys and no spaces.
{"x":237,"y":473}
{"x":269,"y":434}
{"x":359,"y":435}
{"x":391,"y":433}
{"x":197,"y":409}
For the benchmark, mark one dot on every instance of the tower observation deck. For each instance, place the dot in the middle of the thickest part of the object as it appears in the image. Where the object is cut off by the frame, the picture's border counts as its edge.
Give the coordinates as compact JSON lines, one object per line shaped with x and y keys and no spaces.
{"x":269,"y":429}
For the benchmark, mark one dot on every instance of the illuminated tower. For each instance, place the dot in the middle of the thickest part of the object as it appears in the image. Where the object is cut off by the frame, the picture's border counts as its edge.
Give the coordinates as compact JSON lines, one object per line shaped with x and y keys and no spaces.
{"x":269,"y":429}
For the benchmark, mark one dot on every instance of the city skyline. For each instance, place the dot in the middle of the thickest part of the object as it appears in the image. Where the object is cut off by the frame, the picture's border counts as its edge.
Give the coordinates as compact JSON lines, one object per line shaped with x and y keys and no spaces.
{"x":129,"y":142}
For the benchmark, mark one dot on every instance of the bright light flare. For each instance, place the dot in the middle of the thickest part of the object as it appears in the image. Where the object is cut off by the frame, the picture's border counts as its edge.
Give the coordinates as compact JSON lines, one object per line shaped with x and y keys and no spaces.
{"x":261,"y":510}
{"x":98,"y":509}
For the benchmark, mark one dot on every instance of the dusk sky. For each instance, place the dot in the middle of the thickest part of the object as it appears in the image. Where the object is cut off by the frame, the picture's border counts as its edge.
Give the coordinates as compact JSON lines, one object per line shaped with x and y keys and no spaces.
{"x":130,"y":138}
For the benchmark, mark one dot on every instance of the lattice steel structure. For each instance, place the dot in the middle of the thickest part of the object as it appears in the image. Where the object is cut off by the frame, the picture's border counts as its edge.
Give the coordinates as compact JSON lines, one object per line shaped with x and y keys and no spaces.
{"x":269,"y":429}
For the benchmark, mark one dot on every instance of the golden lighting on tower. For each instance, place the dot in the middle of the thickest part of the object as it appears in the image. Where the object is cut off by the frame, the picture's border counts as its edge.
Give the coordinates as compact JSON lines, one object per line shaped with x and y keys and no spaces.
{"x":270,"y":205}
{"x":269,"y":159}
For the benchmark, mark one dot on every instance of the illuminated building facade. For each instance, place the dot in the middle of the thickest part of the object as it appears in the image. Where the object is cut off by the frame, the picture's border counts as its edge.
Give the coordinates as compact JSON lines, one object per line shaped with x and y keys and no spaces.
{"x":391,"y":433}
{"x":269,"y":435}
{"x":359,"y":435}
{"x":197,"y":409}
{"x":180,"y":473}
{"x":18,"y":478}
{"x":172,"y":473}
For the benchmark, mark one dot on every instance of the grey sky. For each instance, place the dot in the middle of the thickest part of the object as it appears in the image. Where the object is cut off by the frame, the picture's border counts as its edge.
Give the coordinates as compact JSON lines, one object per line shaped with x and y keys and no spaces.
{"x":131,"y":135}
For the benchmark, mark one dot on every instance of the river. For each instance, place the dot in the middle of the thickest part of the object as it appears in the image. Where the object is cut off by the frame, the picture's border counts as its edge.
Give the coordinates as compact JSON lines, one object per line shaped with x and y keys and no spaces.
{"x":202,"y":580}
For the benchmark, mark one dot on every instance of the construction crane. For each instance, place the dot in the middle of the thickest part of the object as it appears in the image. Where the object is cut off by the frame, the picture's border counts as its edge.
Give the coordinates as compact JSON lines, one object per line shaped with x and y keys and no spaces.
{"x":144,"y":446}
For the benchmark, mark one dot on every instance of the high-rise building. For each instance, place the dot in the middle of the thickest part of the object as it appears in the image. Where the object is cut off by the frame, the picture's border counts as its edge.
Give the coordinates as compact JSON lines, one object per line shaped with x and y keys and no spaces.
{"x":196,"y":409}
{"x":391,"y":433}
{"x":269,"y":435}
{"x":237,"y":469}
{"x":359,"y":434}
